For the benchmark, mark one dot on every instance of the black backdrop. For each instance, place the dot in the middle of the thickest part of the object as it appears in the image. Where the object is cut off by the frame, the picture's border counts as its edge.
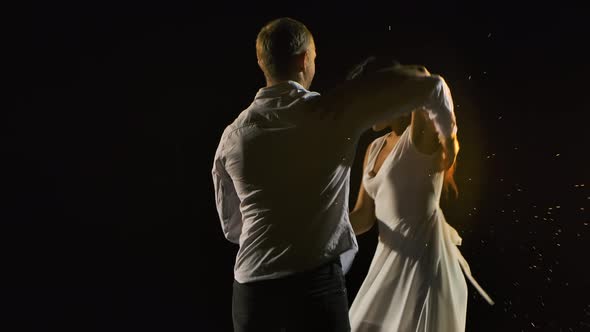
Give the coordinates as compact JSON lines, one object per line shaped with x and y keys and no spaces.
{"x":108,"y":219}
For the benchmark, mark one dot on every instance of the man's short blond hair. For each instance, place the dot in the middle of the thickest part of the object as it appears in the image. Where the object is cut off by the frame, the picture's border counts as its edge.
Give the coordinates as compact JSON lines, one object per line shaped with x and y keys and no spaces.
{"x":277,"y":43}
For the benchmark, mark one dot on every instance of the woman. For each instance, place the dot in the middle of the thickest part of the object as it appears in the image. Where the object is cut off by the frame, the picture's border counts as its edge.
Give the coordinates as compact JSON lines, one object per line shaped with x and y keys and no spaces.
{"x":414,"y":282}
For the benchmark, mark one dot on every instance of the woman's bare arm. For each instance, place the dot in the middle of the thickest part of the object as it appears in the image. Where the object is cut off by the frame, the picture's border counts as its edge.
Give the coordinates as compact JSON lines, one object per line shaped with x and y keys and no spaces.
{"x":362,"y":216}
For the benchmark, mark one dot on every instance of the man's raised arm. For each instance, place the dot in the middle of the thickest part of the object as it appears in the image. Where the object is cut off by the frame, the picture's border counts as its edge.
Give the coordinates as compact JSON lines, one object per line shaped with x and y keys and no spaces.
{"x":387,"y":94}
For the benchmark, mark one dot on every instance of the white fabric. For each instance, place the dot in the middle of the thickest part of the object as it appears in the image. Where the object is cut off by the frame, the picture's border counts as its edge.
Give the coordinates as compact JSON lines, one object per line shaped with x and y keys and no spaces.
{"x":281,"y":176}
{"x":414,"y":283}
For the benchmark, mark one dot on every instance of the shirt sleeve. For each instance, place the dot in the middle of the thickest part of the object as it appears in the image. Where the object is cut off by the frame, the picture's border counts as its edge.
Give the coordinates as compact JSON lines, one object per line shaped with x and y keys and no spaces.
{"x":430,"y":93}
{"x":372,"y":101}
{"x":441,"y":110}
{"x":226,"y":199}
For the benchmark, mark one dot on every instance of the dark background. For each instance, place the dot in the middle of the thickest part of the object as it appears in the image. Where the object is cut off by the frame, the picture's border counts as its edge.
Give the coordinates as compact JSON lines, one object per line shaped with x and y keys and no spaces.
{"x":108,"y":217}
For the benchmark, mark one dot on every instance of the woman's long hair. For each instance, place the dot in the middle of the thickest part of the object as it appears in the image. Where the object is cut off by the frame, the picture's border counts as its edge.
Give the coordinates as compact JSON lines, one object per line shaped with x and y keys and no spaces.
{"x":373,"y":64}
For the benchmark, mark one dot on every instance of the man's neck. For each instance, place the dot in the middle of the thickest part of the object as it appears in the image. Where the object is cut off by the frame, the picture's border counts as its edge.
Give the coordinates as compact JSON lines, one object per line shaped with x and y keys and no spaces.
{"x":272,"y":82}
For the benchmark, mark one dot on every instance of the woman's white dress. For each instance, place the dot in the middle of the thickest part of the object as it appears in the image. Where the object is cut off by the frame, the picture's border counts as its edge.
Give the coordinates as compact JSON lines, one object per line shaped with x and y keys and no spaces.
{"x":414,"y":282}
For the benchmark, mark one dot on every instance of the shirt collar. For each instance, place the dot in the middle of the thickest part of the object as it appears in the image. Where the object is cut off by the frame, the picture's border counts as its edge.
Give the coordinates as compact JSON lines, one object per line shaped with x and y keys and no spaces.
{"x":280,"y":89}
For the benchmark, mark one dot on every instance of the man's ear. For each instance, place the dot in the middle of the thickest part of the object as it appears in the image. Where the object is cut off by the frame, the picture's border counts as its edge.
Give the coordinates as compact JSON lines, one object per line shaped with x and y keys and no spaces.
{"x":300,"y":61}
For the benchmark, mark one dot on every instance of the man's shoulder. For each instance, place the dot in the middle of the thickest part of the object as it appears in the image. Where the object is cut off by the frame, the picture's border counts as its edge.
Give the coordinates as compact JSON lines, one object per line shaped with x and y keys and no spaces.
{"x":244,"y":120}
{"x":257,"y":114}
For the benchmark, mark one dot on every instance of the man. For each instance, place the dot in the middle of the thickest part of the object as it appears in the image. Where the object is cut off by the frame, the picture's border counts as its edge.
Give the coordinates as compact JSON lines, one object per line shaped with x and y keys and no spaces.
{"x":281,"y":175}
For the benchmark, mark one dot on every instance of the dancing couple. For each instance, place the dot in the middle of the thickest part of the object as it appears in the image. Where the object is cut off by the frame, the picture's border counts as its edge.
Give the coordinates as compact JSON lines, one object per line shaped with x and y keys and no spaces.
{"x":281,"y":175}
